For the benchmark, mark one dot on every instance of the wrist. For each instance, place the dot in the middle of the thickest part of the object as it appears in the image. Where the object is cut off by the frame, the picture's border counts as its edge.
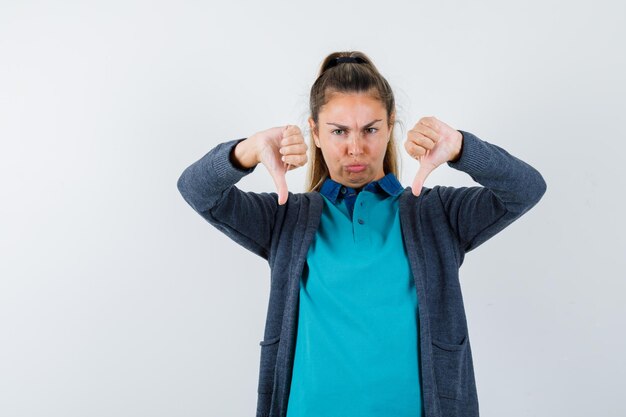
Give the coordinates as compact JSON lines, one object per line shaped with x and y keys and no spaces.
{"x":457,"y":156}
{"x":245,"y":153}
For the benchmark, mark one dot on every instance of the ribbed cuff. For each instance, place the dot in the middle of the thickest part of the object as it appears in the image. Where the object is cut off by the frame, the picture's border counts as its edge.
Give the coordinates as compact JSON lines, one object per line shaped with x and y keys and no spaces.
{"x":223,"y":166}
{"x":475,"y":158}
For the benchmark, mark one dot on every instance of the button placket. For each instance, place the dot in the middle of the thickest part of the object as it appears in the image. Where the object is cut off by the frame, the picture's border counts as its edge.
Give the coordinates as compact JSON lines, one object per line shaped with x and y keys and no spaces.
{"x":359,"y":218}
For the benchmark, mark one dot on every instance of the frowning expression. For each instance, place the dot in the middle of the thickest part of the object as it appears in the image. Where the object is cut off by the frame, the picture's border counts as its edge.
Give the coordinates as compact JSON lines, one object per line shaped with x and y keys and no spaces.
{"x":352,"y":133}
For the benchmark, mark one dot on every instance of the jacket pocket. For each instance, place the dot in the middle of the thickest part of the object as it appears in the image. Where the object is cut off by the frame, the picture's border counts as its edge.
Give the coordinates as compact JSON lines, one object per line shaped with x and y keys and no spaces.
{"x":451,"y":368}
{"x":269,"y":350}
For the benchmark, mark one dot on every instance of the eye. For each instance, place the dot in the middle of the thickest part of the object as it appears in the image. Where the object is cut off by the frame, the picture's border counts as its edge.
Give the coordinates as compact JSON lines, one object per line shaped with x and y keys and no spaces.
{"x":336,"y":130}
{"x":372,"y":128}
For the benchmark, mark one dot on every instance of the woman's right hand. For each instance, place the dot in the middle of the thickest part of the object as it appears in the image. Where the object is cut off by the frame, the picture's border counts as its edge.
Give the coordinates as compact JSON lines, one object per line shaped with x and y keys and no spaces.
{"x":280,"y":149}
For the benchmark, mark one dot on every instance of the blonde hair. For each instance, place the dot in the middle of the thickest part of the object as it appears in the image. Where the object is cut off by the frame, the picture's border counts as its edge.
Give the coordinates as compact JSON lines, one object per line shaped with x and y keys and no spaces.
{"x":348,"y":77}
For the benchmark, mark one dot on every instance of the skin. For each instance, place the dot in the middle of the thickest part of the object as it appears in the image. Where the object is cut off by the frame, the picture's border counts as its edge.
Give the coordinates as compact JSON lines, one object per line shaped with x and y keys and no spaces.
{"x":433,"y":143}
{"x":355,"y":150}
{"x":352,"y":134}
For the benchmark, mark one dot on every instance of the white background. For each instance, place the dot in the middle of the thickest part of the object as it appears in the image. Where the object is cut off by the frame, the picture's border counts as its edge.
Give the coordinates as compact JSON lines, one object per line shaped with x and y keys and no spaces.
{"x":117,"y":299}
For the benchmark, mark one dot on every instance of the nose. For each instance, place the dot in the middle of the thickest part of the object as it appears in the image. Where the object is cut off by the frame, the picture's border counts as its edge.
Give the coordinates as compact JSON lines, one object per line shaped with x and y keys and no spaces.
{"x":355,"y":147}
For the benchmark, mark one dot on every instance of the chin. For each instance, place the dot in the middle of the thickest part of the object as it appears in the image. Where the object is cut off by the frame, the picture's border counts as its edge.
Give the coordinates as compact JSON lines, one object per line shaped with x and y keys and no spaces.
{"x":357,"y":183}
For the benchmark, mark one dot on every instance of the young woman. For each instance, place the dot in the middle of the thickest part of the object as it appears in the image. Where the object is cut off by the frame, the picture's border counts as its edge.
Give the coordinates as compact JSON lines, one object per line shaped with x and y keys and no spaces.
{"x":365,"y":315}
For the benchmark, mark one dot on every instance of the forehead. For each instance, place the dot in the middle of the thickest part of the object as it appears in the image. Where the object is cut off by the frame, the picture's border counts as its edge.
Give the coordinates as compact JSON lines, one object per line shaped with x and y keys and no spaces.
{"x":352,"y":106}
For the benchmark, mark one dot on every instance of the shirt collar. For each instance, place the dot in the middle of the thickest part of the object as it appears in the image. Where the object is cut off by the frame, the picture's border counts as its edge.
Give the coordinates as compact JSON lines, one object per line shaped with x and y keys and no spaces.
{"x":333,"y":190}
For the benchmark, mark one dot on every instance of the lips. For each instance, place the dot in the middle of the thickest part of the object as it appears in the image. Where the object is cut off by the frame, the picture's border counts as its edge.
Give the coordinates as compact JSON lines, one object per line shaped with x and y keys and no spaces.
{"x":355,"y":168}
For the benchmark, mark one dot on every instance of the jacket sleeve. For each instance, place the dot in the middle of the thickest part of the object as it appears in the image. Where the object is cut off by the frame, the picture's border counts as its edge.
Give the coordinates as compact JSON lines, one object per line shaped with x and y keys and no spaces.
{"x":208,"y":186}
{"x":511,"y":187}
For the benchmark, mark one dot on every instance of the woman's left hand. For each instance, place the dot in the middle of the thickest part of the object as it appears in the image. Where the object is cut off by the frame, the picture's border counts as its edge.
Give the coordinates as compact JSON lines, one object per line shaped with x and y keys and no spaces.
{"x":432,"y":143}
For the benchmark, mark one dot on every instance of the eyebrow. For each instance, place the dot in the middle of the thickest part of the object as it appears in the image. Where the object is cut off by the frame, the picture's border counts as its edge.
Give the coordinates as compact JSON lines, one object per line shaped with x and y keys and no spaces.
{"x":346,"y":127}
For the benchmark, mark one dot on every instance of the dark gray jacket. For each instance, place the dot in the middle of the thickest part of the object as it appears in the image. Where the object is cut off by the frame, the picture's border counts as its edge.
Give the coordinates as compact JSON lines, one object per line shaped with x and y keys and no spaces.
{"x":438,"y":227}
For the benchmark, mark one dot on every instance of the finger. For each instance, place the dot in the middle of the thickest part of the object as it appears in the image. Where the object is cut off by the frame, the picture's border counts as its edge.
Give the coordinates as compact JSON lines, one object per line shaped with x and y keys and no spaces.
{"x":295,"y":160}
{"x":430,"y":121}
{"x":292,"y":139}
{"x":414,"y":150}
{"x":290,"y":130}
{"x":426,"y":132}
{"x":422,"y":173}
{"x":290,"y":167}
{"x":281,"y":184}
{"x":420,"y":138}
{"x":295,"y":149}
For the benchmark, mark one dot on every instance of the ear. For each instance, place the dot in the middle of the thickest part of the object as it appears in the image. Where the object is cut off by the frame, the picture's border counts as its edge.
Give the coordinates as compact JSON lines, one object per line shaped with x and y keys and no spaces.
{"x":313,"y":129}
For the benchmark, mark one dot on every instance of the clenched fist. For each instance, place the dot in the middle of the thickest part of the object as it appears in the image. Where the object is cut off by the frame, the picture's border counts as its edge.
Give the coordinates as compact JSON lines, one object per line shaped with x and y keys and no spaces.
{"x":432,"y":143}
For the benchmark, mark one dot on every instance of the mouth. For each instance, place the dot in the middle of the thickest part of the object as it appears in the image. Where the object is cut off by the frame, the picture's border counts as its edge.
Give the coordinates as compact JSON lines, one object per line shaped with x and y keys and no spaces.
{"x":355,"y":168}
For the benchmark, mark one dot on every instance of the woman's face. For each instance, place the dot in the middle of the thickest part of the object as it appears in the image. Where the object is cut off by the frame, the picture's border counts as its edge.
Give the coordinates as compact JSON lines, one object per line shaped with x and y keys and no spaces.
{"x":352,"y":133}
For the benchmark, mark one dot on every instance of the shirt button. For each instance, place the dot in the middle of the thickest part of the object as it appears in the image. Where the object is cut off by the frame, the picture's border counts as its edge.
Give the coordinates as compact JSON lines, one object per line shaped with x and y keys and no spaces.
{"x":343,"y":190}
{"x":361,"y":221}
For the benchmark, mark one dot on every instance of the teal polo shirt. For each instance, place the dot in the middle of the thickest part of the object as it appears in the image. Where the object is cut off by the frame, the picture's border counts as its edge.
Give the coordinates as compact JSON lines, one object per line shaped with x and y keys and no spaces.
{"x":357,"y":344}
